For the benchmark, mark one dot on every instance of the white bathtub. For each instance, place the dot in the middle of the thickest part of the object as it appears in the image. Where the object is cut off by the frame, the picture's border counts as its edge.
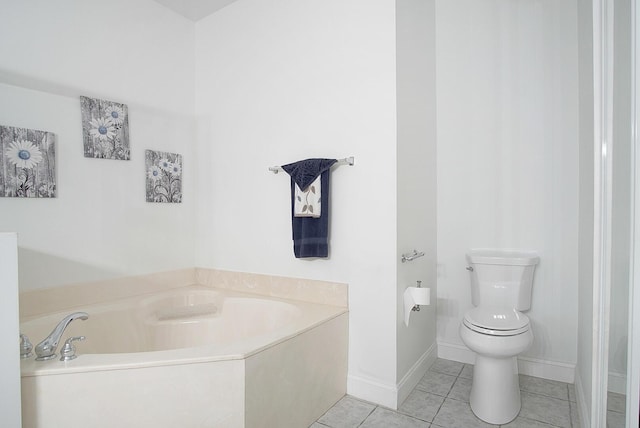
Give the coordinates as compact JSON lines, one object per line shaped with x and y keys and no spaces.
{"x":194,"y":356}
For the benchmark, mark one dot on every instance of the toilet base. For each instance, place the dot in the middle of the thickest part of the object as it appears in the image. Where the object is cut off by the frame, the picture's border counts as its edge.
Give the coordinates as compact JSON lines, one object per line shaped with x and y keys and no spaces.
{"x":495,"y":392}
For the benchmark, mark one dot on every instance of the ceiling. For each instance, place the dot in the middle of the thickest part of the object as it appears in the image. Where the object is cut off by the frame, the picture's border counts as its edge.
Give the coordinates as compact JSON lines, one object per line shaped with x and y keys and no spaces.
{"x":195,"y":9}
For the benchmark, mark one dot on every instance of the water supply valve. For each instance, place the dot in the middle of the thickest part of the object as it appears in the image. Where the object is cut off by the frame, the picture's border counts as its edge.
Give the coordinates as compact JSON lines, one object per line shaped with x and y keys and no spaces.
{"x":68,"y":351}
{"x":25,"y":346}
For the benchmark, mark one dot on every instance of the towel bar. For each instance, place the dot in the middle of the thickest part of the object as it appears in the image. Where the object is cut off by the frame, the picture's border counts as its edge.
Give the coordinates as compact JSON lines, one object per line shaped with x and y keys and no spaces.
{"x":411,"y":256}
{"x":346,"y":161}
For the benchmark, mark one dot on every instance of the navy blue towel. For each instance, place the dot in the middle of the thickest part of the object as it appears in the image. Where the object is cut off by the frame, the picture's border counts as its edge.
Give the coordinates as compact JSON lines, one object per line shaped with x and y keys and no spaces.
{"x":310,"y":235}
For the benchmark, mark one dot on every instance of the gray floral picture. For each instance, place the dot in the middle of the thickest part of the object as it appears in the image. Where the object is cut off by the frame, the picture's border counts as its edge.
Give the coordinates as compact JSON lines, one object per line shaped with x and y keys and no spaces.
{"x":27,"y":163}
{"x":164,"y":176}
{"x":105,"y":129}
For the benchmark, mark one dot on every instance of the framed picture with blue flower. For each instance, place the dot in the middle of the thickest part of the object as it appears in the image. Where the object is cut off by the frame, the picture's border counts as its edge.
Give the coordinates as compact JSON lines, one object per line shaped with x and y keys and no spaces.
{"x":164,"y":176}
{"x":105,"y":129}
{"x":27,"y":163}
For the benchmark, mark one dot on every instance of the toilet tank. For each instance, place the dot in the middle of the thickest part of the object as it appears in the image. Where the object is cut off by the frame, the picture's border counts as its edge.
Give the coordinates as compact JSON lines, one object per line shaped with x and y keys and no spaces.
{"x":502,"y":277}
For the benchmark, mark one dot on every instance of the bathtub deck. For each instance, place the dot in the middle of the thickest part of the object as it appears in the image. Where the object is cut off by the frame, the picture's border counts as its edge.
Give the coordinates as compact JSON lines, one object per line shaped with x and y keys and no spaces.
{"x":311,"y":315}
{"x":286,"y":378}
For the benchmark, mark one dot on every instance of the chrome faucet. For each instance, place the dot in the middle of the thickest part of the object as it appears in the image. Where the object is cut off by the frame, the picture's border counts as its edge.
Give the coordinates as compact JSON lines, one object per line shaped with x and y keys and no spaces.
{"x":46,"y":349}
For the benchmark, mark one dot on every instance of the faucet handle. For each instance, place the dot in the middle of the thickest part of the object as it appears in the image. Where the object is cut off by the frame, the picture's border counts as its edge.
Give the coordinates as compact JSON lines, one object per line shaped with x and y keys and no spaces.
{"x":25,"y":346}
{"x":68,"y":351}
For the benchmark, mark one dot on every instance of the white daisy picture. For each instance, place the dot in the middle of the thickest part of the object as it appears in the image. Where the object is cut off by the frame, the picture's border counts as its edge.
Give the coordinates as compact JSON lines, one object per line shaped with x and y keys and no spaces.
{"x":164,"y":176}
{"x":27,"y":163}
{"x":105,"y":128}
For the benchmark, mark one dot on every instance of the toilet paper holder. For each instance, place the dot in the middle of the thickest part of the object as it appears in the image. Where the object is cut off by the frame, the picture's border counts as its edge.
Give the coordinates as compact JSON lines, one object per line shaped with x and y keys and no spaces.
{"x":413,"y":297}
{"x":416,"y":308}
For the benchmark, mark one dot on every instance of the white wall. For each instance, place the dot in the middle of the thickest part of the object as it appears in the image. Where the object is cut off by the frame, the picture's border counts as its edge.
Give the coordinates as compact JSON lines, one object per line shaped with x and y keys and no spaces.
{"x":131,"y":51}
{"x":138,"y":53}
{"x":416,"y":206}
{"x":286,"y":80}
{"x":508,"y":158}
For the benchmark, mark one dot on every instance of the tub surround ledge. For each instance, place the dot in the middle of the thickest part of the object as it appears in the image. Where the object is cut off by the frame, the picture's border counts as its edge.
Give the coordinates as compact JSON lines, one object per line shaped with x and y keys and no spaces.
{"x":306,"y":290}
{"x":34,"y":303}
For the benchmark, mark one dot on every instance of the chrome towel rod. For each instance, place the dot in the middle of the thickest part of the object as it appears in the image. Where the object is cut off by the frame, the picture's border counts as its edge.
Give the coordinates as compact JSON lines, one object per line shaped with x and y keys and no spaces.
{"x":411,"y":256}
{"x":346,"y":161}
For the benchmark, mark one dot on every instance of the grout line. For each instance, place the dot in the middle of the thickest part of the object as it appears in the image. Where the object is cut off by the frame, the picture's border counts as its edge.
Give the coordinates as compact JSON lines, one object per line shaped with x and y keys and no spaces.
{"x":438,"y":411}
{"x":446,"y":396}
{"x":367,"y":417}
{"x":539,"y":394}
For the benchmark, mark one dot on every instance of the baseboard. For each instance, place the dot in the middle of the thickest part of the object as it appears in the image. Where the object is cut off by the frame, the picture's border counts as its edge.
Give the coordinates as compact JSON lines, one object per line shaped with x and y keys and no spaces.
{"x":415,"y":373}
{"x":455,"y":352}
{"x":553,"y":370}
{"x":545,"y":369}
{"x":391,"y":396}
{"x":583,"y":411}
{"x":372,"y":390}
{"x":617,"y":383}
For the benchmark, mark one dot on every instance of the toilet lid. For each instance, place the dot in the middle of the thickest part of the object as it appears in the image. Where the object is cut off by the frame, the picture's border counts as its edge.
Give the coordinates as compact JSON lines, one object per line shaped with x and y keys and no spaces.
{"x":496,"y":321}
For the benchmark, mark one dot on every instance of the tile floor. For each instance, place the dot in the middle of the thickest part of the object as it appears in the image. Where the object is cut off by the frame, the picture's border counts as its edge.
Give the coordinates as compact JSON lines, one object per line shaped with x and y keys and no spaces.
{"x":441,"y":399}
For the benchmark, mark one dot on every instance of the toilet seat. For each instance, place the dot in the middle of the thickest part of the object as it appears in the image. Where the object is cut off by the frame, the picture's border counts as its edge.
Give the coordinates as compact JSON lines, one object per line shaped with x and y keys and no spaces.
{"x":496,"y":321}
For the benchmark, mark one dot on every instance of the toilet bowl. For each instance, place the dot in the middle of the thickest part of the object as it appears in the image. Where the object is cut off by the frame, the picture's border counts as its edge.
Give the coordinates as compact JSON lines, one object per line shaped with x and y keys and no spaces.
{"x":497,"y":330}
{"x":495,"y":391}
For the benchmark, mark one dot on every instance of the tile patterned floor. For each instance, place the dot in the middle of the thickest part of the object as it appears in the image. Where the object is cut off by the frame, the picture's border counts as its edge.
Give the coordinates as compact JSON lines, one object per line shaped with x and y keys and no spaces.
{"x":441,"y":399}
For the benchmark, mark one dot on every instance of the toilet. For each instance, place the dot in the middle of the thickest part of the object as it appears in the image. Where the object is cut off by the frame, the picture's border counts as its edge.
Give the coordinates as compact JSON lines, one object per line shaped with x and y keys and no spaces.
{"x":497,"y":330}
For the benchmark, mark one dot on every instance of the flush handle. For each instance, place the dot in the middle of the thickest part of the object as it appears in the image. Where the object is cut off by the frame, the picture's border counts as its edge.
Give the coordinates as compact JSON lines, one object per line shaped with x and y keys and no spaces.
{"x":469,"y":268}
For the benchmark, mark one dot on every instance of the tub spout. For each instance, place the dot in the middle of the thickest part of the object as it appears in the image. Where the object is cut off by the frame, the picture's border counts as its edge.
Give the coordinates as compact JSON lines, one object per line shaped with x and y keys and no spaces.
{"x":46,"y":349}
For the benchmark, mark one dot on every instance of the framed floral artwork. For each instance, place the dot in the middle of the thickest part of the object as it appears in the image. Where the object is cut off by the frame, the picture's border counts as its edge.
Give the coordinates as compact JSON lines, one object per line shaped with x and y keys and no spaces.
{"x":27,"y":163}
{"x":164,"y":176}
{"x":105,"y":129}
